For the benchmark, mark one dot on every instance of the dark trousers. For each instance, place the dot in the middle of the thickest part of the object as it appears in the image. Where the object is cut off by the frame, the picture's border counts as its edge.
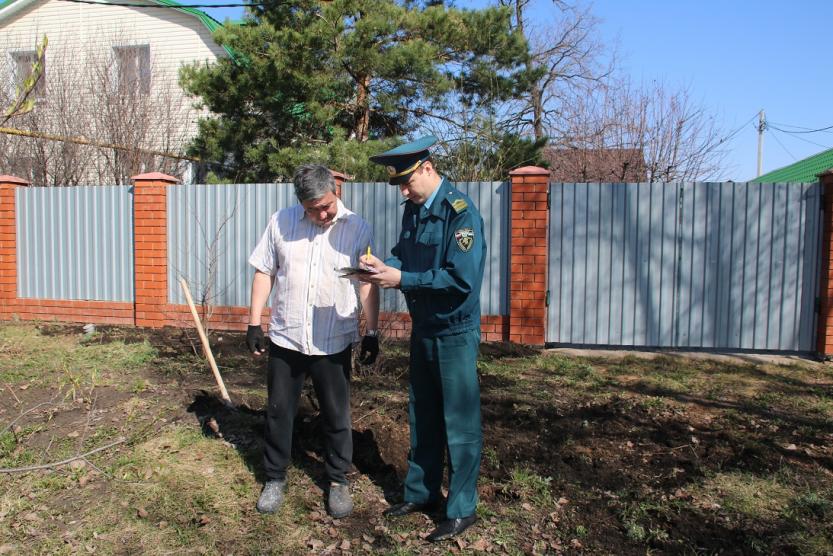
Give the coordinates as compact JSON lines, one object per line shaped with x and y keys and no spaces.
{"x":444,"y":414}
{"x":331,"y":379}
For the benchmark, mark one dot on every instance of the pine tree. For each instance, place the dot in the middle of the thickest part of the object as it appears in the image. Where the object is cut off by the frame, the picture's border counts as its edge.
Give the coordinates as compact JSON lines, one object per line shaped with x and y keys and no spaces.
{"x":306,"y":75}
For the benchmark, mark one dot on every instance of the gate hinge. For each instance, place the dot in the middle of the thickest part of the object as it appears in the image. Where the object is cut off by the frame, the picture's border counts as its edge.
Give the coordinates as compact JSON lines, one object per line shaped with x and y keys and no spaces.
{"x":547,"y":299}
{"x":818,"y":305}
{"x":549,"y":194}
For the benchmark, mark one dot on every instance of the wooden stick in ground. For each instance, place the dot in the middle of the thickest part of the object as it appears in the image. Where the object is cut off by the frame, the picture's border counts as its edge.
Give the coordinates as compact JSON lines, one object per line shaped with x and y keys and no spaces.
{"x":206,"y":348}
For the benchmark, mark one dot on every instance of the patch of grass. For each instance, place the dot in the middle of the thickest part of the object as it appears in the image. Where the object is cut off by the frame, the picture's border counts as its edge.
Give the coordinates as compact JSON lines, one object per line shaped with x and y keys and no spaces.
{"x":490,"y":457}
{"x":574,"y":371}
{"x":812,"y":504}
{"x":101,"y":435}
{"x":484,"y":512}
{"x":654,"y":402}
{"x":757,"y":498}
{"x":139,"y":385}
{"x":809,"y":543}
{"x":500,"y":367}
{"x":530,"y":487}
{"x":768,"y":400}
{"x":639,"y":522}
{"x":79,"y":365}
{"x":504,"y":534}
{"x":7,"y":443}
{"x":51,"y":482}
{"x":181,"y":491}
{"x":181,"y":365}
{"x":820,"y":405}
{"x":13,"y":453}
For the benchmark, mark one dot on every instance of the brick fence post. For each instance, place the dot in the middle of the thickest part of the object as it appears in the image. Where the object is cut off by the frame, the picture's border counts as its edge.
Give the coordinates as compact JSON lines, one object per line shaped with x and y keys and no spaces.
{"x":824,"y":336}
{"x":150,"y":248}
{"x":340,"y":179}
{"x":8,"y":244}
{"x":528,"y":259}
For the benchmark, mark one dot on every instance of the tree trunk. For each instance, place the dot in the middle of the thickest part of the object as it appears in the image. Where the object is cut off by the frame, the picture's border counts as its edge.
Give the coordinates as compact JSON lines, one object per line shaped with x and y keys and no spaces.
{"x":362,"y":130}
{"x":537,"y":112}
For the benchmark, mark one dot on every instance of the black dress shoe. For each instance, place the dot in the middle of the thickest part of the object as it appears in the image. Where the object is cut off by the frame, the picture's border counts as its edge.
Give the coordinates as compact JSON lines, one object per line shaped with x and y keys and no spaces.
{"x":405,"y":508}
{"x":451,"y":528}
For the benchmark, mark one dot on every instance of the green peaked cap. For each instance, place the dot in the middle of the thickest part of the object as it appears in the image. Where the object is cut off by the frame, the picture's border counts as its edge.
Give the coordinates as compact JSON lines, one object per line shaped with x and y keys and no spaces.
{"x":403,"y":160}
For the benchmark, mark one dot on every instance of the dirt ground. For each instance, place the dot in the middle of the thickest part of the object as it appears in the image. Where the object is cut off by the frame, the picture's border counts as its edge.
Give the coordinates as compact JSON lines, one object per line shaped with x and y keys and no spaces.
{"x":596,"y":453}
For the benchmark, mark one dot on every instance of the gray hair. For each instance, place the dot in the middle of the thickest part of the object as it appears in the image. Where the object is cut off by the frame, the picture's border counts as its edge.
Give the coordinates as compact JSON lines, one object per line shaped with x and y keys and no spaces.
{"x":313,"y":181}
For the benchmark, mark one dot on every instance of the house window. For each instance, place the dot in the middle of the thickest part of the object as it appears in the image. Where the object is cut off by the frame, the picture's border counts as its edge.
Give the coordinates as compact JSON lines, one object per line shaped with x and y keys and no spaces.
{"x":133,"y":68}
{"x":22,"y":62}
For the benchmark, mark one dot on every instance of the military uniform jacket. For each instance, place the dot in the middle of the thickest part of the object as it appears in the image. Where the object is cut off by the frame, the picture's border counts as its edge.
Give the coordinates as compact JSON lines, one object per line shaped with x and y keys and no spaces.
{"x":441,"y":253}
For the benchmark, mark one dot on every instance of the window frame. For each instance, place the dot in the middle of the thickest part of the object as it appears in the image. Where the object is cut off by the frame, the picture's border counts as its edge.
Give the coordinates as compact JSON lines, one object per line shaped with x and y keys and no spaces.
{"x":18,"y":77}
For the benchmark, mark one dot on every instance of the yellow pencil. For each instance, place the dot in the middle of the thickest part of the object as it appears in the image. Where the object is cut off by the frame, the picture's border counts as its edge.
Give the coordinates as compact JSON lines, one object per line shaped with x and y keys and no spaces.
{"x":368,"y":250}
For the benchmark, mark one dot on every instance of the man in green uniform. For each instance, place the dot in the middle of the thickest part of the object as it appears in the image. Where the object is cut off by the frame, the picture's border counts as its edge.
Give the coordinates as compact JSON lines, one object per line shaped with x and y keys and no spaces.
{"x":438,"y":265}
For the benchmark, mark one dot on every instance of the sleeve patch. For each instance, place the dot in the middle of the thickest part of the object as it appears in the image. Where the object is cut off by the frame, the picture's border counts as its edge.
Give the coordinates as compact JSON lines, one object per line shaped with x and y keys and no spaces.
{"x":465,"y":239}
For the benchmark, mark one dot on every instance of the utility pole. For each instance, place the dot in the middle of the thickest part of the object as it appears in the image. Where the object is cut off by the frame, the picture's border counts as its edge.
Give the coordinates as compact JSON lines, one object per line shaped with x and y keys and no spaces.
{"x":761,"y":128}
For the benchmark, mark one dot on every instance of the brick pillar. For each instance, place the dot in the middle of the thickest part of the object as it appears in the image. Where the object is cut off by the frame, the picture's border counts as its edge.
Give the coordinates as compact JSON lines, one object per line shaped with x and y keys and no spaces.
{"x":150,"y":248}
{"x":528,"y":255}
{"x":824,"y":337}
{"x":8,"y":244}
{"x":340,"y":179}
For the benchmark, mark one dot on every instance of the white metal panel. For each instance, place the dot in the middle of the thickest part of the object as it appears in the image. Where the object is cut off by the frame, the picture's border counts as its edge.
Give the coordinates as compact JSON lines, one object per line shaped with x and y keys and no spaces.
{"x":75,"y":242}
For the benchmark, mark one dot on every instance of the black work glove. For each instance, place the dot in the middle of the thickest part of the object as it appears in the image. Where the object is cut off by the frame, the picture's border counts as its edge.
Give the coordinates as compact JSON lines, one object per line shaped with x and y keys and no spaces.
{"x":255,"y":339}
{"x":370,"y":349}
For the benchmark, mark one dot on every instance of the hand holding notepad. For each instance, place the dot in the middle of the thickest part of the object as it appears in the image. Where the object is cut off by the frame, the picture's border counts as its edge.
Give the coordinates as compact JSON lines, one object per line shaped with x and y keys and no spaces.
{"x":351,"y":271}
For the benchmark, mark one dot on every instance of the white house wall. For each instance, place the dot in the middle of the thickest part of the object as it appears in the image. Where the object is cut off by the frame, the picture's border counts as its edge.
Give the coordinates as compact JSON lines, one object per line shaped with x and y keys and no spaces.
{"x":83,"y":33}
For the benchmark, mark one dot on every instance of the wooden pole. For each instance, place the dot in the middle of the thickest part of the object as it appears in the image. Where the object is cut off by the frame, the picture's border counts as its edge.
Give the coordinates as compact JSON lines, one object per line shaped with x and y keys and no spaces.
{"x":205,"y":346}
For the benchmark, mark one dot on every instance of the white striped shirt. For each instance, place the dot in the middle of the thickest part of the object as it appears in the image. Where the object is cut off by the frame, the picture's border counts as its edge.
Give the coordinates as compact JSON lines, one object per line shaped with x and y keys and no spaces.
{"x":314,"y":311}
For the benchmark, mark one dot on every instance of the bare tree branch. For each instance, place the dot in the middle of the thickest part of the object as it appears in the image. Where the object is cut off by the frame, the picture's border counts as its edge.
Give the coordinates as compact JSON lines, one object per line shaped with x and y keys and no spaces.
{"x":120,"y":440}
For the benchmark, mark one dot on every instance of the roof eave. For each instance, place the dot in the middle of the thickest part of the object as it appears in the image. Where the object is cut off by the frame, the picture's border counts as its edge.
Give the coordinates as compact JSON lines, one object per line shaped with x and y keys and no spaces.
{"x":11,"y":7}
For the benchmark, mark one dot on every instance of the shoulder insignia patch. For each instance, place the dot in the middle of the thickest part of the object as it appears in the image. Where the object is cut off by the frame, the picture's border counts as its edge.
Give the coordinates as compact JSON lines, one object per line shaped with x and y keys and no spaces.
{"x":459,"y":205}
{"x":465,"y":239}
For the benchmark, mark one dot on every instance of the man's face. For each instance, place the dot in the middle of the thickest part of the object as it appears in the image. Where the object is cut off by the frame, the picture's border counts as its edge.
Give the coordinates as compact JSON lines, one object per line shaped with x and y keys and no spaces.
{"x":418,"y":187}
{"x":322,"y":211}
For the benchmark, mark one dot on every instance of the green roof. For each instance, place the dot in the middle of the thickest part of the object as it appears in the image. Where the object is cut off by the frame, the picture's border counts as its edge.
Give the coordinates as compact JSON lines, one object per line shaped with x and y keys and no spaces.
{"x":206,"y":19}
{"x":805,"y":170}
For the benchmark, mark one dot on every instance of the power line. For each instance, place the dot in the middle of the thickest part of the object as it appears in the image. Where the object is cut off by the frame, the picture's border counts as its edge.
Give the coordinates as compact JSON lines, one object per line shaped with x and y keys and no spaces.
{"x":786,"y":150}
{"x":738,"y":130}
{"x":175,"y":7}
{"x":799,"y":138}
{"x":811,"y":142}
{"x":797,"y":132}
{"x":799,"y":127}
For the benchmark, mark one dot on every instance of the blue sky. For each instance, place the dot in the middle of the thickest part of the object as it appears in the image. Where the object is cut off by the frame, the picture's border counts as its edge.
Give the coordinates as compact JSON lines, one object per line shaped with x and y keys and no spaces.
{"x":734,"y":56}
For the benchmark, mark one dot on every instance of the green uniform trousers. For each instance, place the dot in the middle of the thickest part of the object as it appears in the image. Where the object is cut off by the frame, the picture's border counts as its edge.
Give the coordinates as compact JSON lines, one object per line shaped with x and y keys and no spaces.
{"x":444,"y":413}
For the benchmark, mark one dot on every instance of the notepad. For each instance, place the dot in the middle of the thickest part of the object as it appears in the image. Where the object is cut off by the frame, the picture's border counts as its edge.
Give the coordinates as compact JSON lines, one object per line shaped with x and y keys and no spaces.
{"x":350,"y":271}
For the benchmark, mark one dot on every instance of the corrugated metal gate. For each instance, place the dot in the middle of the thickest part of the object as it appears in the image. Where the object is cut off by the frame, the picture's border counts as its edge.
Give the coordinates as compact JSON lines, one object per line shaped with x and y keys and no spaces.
{"x":705,"y":265}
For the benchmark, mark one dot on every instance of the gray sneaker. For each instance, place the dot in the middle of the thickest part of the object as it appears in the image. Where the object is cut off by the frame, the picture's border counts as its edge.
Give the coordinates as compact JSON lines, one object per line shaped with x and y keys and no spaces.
{"x":339,"y":502}
{"x":271,"y":497}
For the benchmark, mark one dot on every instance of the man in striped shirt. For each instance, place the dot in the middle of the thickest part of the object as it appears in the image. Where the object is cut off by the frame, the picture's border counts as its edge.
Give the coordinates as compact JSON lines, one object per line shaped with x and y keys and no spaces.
{"x":313,"y":325}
